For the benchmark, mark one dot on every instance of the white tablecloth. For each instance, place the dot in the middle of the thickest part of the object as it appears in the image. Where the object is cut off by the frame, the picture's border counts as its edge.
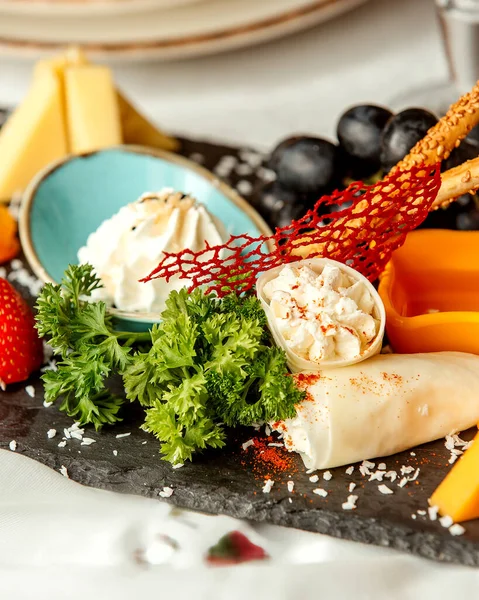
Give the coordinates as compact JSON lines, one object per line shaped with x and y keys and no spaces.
{"x":59,"y":540}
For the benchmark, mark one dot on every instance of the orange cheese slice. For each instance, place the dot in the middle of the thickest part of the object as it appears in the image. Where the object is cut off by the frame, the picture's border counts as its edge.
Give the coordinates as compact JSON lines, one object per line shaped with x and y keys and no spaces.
{"x":458,"y":495}
{"x":9,"y":244}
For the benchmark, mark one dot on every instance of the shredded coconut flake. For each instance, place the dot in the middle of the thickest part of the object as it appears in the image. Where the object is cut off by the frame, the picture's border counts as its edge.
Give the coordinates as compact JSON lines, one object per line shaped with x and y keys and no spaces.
{"x":268,"y":484}
{"x":166,"y":492}
{"x":414,"y":477}
{"x":351,"y":503}
{"x":449,"y":443}
{"x":320,"y":492}
{"x":392,"y":475}
{"x":87,"y":441}
{"x":446,"y":521}
{"x":384,"y":489}
{"x":457,"y":529}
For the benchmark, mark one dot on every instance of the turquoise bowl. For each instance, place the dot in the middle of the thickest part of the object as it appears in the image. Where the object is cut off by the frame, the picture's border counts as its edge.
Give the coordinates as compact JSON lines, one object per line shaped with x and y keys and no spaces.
{"x":70,"y":198}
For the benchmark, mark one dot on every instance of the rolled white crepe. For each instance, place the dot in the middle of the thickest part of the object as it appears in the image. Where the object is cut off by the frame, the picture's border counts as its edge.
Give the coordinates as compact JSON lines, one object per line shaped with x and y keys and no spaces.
{"x":387,"y":404}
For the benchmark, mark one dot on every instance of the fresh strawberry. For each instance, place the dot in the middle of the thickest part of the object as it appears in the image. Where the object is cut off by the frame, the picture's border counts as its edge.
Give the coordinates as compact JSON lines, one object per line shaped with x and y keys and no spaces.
{"x":21,"y":350}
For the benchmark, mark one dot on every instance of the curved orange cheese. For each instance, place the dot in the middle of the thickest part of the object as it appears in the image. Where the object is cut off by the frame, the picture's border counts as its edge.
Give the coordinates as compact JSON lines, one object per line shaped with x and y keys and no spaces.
{"x":458,"y":495}
{"x":9,"y":244}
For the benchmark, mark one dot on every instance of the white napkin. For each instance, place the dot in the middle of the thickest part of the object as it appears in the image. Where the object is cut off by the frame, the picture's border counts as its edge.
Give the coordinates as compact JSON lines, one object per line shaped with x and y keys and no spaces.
{"x":61,"y":540}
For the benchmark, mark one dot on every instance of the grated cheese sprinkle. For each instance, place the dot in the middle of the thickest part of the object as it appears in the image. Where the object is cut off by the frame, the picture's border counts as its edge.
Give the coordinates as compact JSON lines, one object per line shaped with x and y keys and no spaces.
{"x":384,"y":489}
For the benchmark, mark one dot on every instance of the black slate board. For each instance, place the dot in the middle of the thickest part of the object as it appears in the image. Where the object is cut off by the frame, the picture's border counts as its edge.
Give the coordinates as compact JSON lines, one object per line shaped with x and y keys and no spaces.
{"x":227,"y":482}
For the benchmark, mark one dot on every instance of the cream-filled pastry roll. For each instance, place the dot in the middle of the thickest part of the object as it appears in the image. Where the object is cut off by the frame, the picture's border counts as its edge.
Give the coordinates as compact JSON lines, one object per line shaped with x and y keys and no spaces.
{"x":387,"y":404}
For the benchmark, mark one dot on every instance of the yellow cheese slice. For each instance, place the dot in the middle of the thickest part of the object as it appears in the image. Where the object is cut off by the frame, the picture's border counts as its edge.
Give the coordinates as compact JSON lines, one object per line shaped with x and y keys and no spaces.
{"x":34,"y":135}
{"x":138,"y":130}
{"x":93,"y":115}
{"x":458,"y":494}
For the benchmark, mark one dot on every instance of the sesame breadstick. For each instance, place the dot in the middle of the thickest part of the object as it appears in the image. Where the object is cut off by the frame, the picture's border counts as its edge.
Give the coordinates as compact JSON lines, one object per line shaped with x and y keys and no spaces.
{"x":447,"y":134}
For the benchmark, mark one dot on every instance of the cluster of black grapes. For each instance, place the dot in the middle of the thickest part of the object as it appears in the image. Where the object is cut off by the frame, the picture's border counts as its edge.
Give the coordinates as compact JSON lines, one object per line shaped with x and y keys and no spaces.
{"x":371,"y":140}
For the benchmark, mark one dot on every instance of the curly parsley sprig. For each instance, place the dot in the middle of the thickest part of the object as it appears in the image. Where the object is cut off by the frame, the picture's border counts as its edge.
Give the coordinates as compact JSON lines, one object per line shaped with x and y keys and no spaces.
{"x":82,"y":335}
{"x":209,"y":363}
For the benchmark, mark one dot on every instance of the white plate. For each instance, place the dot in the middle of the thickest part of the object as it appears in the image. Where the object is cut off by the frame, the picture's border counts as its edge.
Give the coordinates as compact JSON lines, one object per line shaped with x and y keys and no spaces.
{"x":201,"y":28}
{"x":85,"y":7}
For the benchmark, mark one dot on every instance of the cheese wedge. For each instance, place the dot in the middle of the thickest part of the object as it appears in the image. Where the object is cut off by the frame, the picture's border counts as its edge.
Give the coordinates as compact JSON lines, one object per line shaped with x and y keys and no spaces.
{"x":93,"y":115}
{"x":34,"y":135}
{"x":458,"y":494}
{"x":138,"y":130}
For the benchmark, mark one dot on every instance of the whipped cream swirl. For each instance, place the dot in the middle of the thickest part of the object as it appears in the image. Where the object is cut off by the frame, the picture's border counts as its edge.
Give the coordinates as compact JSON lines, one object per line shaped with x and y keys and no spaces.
{"x":130,"y":244}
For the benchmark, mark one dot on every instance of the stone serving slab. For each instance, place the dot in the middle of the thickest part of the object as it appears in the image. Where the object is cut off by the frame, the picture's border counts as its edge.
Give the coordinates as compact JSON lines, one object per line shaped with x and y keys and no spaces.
{"x":231,"y":481}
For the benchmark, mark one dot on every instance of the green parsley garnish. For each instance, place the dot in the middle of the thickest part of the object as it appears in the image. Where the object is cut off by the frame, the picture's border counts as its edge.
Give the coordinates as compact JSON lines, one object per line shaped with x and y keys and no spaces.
{"x":210,"y":362}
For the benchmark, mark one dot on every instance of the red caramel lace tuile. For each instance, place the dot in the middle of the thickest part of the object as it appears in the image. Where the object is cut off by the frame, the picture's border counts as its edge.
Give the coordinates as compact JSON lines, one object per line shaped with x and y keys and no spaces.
{"x":362,"y":235}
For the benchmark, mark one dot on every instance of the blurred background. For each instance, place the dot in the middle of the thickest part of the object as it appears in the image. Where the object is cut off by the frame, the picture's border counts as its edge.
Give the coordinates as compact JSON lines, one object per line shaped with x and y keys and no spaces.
{"x":205,"y":68}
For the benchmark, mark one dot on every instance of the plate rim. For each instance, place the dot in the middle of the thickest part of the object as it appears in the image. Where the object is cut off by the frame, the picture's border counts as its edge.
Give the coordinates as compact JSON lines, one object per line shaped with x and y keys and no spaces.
{"x":80,"y":7}
{"x":228,"y":38}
